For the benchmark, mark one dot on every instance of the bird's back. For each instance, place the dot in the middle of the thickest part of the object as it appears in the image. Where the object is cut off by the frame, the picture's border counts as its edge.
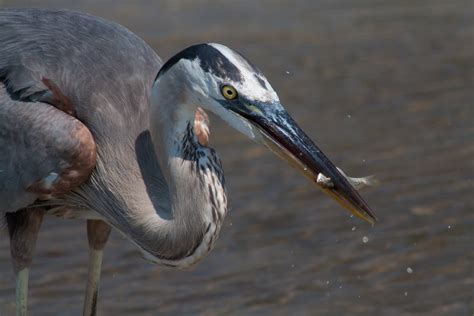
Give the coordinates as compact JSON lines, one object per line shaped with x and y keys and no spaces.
{"x":98,"y":64}
{"x":103,"y":71}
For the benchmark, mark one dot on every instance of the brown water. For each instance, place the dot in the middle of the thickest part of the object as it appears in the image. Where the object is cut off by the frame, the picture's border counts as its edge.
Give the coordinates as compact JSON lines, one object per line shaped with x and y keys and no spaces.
{"x":385,"y":88}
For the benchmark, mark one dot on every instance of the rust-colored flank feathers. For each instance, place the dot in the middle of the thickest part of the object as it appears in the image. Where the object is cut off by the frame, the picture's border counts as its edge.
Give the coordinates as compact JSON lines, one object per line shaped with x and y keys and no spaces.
{"x":59,"y":100}
{"x":82,"y":155}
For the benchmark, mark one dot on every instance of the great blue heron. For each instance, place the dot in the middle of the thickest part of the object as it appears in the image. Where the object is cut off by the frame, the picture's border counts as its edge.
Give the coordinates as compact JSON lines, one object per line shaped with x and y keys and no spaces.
{"x":93,"y":126}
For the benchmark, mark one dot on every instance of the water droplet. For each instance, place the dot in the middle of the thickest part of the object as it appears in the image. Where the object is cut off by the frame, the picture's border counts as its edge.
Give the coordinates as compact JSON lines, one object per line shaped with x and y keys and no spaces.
{"x":292,"y":265}
{"x":349,"y":116}
{"x":340,"y":286}
{"x":409,"y":270}
{"x":363,"y":160}
{"x":353,"y":228}
{"x":365,"y":239}
{"x":406,"y":293}
{"x":287,"y":72}
{"x":351,"y":216}
{"x":449,"y":226}
{"x":327,"y":282}
{"x":305,"y":168}
{"x":301,"y":154}
{"x":358,"y":296}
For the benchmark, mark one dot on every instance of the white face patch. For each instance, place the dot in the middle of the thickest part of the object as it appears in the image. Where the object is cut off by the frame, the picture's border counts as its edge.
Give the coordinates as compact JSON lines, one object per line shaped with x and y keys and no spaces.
{"x":254,"y":86}
{"x":198,"y":73}
{"x":205,"y":88}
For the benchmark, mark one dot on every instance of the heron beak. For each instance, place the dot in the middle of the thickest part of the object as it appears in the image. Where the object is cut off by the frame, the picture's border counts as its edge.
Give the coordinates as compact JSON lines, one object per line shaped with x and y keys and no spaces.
{"x":286,"y":139}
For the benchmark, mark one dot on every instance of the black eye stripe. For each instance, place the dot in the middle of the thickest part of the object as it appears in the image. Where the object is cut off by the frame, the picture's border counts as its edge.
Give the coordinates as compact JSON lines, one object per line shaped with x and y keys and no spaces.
{"x":210,"y":59}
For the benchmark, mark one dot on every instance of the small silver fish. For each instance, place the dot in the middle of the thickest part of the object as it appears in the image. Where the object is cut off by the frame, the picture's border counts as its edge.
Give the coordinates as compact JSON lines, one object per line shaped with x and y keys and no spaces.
{"x":357,"y":183}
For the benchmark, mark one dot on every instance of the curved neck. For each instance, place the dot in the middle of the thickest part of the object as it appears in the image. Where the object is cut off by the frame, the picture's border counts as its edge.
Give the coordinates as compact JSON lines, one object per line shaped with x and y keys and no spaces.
{"x":181,"y":228}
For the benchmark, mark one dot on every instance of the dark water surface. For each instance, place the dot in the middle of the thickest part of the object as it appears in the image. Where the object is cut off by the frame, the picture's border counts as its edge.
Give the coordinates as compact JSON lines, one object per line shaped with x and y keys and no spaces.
{"x":384,"y":88}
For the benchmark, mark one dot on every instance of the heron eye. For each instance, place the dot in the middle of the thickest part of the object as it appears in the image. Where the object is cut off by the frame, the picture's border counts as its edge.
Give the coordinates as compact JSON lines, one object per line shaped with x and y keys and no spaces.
{"x":229,"y":92}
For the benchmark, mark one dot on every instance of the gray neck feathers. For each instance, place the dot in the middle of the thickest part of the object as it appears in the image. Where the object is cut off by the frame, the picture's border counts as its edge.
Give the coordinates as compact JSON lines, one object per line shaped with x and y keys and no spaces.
{"x":162,"y":190}
{"x":191,"y":182}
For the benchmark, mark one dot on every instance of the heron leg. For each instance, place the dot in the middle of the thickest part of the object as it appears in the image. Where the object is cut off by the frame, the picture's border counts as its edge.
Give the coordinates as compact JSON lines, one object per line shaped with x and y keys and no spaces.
{"x":23,"y":228}
{"x":98,"y":233}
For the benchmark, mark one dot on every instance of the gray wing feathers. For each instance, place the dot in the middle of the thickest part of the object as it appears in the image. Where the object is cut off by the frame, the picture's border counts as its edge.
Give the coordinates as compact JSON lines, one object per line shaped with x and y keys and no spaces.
{"x":96,"y":63}
{"x":54,"y":57}
{"x":39,"y":147}
{"x":20,"y":85}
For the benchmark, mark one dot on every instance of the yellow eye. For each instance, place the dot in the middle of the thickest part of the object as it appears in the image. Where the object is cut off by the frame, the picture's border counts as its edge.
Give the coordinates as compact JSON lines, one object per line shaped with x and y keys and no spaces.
{"x":229,"y":92}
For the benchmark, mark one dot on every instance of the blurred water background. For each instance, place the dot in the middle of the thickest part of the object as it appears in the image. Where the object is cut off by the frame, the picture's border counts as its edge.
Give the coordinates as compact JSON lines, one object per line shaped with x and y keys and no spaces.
{"x":384,"y":88}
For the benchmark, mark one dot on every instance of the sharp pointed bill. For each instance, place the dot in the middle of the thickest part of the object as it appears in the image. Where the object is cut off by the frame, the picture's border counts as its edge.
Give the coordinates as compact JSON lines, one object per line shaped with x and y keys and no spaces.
{"x":224,"y":82}
{"x":284,"y":137}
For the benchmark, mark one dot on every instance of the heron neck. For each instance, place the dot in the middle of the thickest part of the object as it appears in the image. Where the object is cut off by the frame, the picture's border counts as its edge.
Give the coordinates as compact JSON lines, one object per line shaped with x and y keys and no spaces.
{"x":181,"y":230}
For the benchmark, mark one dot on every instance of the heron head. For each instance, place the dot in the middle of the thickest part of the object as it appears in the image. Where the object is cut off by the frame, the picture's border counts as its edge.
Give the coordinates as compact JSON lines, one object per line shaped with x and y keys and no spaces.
{"x":221,"y":80}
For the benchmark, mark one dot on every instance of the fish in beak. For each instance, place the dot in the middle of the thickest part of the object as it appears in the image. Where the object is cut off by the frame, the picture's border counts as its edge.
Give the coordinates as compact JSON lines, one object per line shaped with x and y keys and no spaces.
{"x":285,"y":138}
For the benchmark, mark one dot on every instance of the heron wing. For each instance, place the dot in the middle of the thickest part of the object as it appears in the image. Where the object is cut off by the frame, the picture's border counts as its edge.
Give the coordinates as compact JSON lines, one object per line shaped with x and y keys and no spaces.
{"x":83,"y":67}
{"x":44,"y":152}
